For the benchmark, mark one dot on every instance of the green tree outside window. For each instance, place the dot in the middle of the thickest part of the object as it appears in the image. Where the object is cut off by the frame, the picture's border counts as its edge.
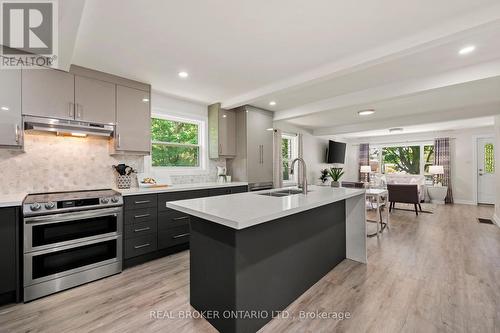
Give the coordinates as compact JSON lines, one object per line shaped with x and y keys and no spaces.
{"x":174,"y":143}
{"x":489,"y":158}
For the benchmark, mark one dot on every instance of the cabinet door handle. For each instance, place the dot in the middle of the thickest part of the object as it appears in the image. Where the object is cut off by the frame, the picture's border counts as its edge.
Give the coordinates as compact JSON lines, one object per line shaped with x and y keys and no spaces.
{"x":220,"y":148}
{"x":79,"y":111}
{"x":142,"y":202}
{"x":118,"y":140}
{"x":141,"y":216}
{"x":140,"y":246}
{"x":17,"y":133}
{"x":181,"y":235}
{"x":71,"y":110}
{"x":180,"y":218}
{"x":142,"y":229}
{"x":262,"y":153}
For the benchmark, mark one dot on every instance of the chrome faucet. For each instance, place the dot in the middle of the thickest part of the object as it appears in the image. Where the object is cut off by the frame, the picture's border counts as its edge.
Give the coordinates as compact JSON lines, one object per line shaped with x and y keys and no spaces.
{"x":303,"y":181}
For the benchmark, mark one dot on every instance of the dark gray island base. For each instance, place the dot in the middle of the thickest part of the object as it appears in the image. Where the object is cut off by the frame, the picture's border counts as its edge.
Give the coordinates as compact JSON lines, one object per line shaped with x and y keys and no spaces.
{"x":262,"y":268}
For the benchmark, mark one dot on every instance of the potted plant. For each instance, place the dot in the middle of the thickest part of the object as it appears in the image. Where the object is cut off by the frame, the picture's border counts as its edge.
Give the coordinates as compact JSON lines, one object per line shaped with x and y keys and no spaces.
{"x":335,"y":174}
{"x":324,"y":176}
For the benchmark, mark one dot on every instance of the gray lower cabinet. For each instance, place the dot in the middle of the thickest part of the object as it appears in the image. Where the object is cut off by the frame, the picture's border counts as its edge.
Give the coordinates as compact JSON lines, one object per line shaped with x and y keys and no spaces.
{"x":133,"y":121}
{"x":9,"y":254}
{"x":48,"y":93}
{"x":228,"y":190}
{"x":151,"y":230}
{"x":10,"y":109}
{"x":95,"y":100}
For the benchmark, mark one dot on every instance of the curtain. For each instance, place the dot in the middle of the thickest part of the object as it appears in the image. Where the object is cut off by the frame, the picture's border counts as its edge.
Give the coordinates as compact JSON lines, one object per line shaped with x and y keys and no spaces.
{"x":364,"y":159}
{"x":442,"y":157}
{"x":278,"y":160}
{"x":300,"y":147}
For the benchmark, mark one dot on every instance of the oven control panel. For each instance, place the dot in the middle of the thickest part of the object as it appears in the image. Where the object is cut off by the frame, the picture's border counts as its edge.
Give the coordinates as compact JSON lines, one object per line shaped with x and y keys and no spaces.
{"x":40,"y":204}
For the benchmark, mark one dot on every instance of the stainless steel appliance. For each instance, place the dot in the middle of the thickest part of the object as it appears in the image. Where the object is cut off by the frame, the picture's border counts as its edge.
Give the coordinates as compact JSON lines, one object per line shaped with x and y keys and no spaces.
{"x":73,"y":127}
{"x":70,"y":238}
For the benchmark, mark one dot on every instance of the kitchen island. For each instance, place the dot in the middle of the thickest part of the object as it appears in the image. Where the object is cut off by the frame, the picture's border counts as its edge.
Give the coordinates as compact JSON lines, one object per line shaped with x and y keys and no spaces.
{"x":252,"y":254}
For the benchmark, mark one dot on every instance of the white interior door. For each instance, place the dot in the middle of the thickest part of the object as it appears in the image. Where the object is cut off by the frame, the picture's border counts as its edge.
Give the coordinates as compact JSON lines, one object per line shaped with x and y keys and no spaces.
{"x":486,"y":170}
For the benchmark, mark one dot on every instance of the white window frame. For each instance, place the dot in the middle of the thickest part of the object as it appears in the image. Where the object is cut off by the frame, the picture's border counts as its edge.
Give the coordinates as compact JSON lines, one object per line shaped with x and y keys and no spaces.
{"x":295,"y":153}
{"x":202,"y":144}
{"x":404,"y":144}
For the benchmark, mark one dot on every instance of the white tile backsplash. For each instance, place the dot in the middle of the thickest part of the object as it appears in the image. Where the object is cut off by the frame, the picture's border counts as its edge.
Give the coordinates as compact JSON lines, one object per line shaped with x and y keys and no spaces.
{"x":61,"y":163}
{"x":58,"y":163}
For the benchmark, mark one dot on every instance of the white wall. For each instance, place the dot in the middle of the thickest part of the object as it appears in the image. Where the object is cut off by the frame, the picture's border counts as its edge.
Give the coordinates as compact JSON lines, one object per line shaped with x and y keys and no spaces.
{"x":314,"y":150}
{"x":497,"y":171}
{"x":463,"y":170}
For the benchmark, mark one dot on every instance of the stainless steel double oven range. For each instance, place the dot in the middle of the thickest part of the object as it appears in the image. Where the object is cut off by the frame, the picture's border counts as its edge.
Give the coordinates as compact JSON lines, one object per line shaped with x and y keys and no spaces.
{"x":70,"y":238}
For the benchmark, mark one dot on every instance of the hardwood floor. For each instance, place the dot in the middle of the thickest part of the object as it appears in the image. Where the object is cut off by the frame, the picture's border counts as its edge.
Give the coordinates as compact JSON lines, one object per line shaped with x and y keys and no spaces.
{"x":432,"y":273}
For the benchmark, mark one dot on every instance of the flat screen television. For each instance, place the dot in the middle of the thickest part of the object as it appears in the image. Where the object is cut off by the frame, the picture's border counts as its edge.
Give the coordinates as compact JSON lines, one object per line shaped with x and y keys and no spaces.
{"x":336,"y":152}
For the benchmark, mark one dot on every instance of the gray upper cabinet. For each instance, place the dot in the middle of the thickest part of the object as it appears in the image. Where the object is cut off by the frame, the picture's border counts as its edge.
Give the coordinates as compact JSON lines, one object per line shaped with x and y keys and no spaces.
{"x":10,"y":108}
{"x":95,"y":100}
{"x":48,"y":93}
{"x":259,"y":145}
{"x":254,"y":153}
{"x":221,"y":131}
{"x":133,"y":121}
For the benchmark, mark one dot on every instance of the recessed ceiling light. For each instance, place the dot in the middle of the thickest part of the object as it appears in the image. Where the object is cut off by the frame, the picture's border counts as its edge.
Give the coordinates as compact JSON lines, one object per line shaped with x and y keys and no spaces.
{"x":183,"y":75}
{"x":272,"y":103}
{"x":467,"y":50}
{"x":366,"y":112}
{"x":4,"y":108}
{"x":145,"y":100}
{"x":396,"y":130}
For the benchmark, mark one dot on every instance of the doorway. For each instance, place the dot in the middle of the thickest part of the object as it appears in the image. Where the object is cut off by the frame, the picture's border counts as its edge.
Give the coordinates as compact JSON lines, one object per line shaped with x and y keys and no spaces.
{"x":486,"y":171}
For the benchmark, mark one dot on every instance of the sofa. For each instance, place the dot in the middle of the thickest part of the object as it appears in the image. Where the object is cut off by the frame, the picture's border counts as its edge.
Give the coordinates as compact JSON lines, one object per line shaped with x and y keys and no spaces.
{"x":406,"y":179}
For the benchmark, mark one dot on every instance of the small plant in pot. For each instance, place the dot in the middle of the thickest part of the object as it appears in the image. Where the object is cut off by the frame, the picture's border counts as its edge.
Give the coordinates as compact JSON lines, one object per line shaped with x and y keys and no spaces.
{"x":336,"y":174}
{"x":324,"y":176}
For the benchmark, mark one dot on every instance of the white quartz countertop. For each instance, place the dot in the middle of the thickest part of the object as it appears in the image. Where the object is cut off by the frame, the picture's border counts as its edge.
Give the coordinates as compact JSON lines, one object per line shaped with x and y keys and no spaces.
{"x":12,"y":200}
{"x":180,"y":187}
{"x":244,"y":210}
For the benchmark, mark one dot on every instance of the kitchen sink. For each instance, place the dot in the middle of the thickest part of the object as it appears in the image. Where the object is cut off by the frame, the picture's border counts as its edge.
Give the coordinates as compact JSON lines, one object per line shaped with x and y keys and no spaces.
{"x":282,"y":193}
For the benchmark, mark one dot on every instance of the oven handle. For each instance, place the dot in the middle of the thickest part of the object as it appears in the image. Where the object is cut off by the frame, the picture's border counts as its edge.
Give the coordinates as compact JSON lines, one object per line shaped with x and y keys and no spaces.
{"x":74,"y":245}
{"x":66,"y":217}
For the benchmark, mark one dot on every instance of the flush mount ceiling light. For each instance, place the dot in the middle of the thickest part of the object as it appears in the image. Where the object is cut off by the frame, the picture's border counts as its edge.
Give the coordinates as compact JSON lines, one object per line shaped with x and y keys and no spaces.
{"x":183,"y":75}
{"x":366,"y":112}
{"x":466,"y":50}
{"x":396,"y":130}
{"x":4,"y":108}
{"x":272,"y":103}
{"x":145,"y":100}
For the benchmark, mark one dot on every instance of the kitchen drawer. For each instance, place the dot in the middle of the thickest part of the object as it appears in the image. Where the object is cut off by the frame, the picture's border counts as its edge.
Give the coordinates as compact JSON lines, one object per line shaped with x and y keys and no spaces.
{"x":173,"y":236}
{"x":140,"y":201}
{"x":140,"y":229}
{"x":239,"y":189}
{"x":140,"y":245}
{"x":172,"y":218}
{"x":163,"y":198}
{"x":220,"y":191}
{"x":140,"y":215}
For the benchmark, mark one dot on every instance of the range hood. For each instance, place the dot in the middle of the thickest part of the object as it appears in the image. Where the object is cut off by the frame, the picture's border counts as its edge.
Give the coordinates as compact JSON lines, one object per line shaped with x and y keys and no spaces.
{"x":63,"y":126}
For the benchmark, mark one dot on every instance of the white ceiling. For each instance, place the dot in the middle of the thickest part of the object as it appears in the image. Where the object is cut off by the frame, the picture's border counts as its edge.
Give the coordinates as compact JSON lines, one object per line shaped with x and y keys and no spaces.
{"x":424,"y":128}
{"x":320,"y":60}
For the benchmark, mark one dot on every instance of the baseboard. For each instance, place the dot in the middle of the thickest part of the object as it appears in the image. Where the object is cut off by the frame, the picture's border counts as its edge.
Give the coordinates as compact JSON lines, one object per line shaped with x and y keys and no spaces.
{"x":464,"y":202}
{"x":496,"y":219}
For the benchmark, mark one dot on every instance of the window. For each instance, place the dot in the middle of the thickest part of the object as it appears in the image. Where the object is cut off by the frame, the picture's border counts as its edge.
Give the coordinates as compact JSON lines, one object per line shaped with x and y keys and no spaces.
{"x":411,"y":159}
{"x":175,"y":142}
{"x":489,"y":158}
{"x":289,"y":151}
